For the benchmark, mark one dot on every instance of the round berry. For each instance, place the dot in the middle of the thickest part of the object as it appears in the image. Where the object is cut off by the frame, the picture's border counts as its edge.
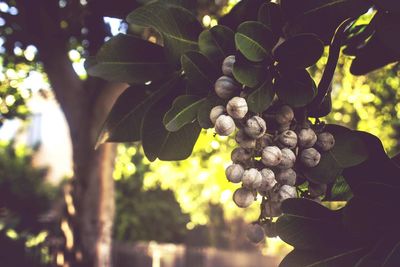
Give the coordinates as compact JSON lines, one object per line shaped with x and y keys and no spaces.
{"x":237,"y":107}
{"x":255,"y":127}
{"x":243,"y":197}
{"x":215,"y":113}
{"x":234,"y":173}
{"x":226,"y":87}
{"x":287,"y":177}
{"x":272,"y":209}
{"x":307,"y":138}
{"x":252,"y":178}
{"x":244,"y":140}
{"x":240,"y":155}
{"x":271,"y":156}
{"x":325,"y":141}
{"x":288,"y":139}
{"x":255,"y":233}
{"x":310,"y":157}
{"x":227,"y":65}
{"x":285,"y":115}
{"x":268,"y":180}
{"x":288,"y":159}
{"x":224,"y":125}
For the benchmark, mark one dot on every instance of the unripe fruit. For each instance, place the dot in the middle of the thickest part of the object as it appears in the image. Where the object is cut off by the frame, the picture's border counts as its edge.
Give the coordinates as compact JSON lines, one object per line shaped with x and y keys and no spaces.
{"x":255,"y":127}
{"x":288,"y":139}
{"x":271,"y":156}
{"x":325,"y":141}
{"x":272,"y":209}
{"x":288,"y":159}
{"x":285,"y":115}
{"x":287,"y":177}
{"x":237,"y":107}
{"x":243,"y":197}
{"x":317,"y":190}
{"x":244,"y":141}
{"x":255,"y":233}
{"x":227,"y":65}
{"x":226,"y":87}
{"x":240,"y":155}
{"x":215,"y":113}
{"x":307,"y":138}
{"x":234,"y":173}
{"x":224,"y":125}
{"x":252,"y":178}
{"x":310,"y":157}
{"x":268,"y":179}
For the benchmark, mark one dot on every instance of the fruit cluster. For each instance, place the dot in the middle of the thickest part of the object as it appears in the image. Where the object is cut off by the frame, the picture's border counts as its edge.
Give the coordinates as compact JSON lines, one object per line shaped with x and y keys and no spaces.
{"x":267,"y":160}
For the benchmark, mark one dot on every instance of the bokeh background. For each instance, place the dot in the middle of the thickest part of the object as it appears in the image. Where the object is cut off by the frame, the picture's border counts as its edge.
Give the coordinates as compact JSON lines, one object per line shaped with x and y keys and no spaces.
{"x":167,"y":213}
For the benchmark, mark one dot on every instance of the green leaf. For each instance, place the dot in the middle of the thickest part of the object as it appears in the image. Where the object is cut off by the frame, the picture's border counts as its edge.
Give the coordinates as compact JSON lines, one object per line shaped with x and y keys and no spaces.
{"x":245,"y":10}
{"x":255,"y":40}
{"x":249,"y":73}
{"x":125,"y":58}
{"x":261,"y":98}
{"x":217,"y":43}
{"x":340,"y":191}
{"x":323,"y":17}
{"x":350,"y":148}
{"x":327,"y":258}
{"x":203,"y":115}
{"x":308,"y":208}
{"x":270,"y":14}
{"x":295,"y":87}
{"x":178,"y":27}
{"x":327,"y":170}
{"x":309,"y":232}
{"x":183,"y":111}
{"x":200,"y":72}
{"x":300,"y":51}
{"x":162,"y":144}
{"x":123,"y":123}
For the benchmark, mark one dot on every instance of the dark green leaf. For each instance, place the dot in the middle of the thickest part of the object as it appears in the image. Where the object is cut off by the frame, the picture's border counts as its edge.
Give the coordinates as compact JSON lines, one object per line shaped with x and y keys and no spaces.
{"x":295,"y":87}
{"x":255,"y":40}
{"x":304,"y":232}
{"x":270,"y":15}
{"x":158,"y":142}
{"x":124,"y":121}
{"x":324,"y":109}
{"x":300,"y":51}
{"x":125,"y":58}
{"x":249,"y":73}
{"x":350,"y":149}
{"x":245,"y":10}
{"x":327,"y":170}
{"x":323,"y":17}
{"x":178,"y":27}
{"x":327,"y":258}
{"x":377,"y":168}
{"x":200,"y":72}
{"x":183,"y":111}
{"x":203,"y":115}
{"x":308,"y":208}
{"x":217,"y":43}
{"x":261,"y":98}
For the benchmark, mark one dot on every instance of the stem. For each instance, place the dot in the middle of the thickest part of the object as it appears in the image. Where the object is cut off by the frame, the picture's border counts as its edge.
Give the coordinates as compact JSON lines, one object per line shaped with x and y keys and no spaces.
{"x":334,"y":51}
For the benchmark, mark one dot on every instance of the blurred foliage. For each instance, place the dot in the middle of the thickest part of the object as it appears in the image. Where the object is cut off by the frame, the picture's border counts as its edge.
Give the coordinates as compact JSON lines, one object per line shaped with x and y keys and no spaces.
{"x":24,"y":197}
{"x":142,"y":214}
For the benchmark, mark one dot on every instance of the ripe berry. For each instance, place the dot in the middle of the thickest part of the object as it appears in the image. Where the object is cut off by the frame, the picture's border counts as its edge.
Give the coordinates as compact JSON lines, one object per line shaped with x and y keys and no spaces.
{"x":237,"y":107}
{"x":287,"y":177}
{"x":243,"y":197}
{"x":234,"y":173}
{"x":216,"y":112}
{"x":255,"y":127}
{"x":307,"y":138}
{"x":240,"y":155}
{"x":252,"y":178}
{"x":288,"y":159}
{"x":271,"y":156}
{"x":288,"y":139}
{"x":284,"y":116}
{"x":325,"y":141}
{"x":255,"y":233}
{"x":268,"y":180}
{"x":244,"y":140}
{"x":226,"y":87}
{"x":310,"y":157}
{"x":227,"y":65}
{"x":224,"y":125}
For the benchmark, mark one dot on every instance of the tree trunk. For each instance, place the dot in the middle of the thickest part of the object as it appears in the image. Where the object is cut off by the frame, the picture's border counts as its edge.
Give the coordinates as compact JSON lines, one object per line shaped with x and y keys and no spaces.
{"x":86,"y":105}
